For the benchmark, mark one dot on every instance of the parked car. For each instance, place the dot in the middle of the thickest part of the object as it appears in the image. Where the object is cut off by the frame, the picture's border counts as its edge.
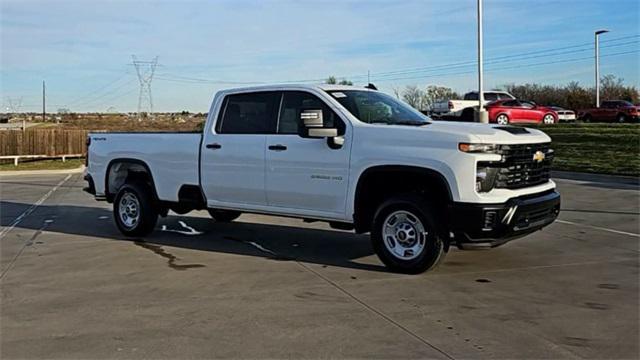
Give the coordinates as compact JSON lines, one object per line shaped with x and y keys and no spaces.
{"x":455,"y":108}
{"x":564,"y":115}
{"x":611,"y":110}
{"x":356,"y":158}
{"x":506,"y":112}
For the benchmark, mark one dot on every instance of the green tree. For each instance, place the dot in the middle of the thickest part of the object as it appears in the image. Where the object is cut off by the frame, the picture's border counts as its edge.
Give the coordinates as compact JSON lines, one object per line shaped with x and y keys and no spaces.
{"x":333,"y":81}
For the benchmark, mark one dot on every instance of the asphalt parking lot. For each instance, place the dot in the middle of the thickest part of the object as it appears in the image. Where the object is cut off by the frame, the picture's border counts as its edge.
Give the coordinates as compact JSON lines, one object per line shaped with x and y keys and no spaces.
{"x":268,"y":287}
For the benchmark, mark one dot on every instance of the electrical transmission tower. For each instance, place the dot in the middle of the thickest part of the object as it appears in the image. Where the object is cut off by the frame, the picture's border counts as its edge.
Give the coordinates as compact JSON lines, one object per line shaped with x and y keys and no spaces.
{"x":15,"y":104}
{"x":145,"y":71}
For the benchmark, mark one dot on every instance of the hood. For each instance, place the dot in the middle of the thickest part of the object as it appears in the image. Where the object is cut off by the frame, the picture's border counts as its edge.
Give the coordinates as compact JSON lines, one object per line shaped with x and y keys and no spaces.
{"x":490,"y":133}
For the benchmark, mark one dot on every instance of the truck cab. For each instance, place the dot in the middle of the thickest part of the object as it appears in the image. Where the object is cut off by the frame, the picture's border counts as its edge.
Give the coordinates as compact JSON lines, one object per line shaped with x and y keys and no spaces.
{"x":356,"y":158}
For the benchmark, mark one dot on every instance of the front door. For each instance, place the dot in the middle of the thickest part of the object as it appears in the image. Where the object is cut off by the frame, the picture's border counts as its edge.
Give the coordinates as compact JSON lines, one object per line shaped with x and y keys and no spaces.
{"x":233,"y":154}
{"x":302,"y":173}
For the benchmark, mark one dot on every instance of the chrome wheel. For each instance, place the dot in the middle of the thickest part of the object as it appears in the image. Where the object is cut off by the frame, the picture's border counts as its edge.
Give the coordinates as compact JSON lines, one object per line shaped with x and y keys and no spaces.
{"x":404,"y":235}
{"x":129,"y":210}
{"x":621,"y":118}
{"x":502,"y":119}
{"x":548,"y":119}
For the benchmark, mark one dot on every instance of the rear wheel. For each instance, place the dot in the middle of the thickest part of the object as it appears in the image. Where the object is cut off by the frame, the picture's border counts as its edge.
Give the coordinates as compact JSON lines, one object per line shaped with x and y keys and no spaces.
{"x":502,"y":119}
{"x":621,"y":118}
{"x":587,"y":118}
{"x":134,"y":211}
{"x":224,"y":215}
{"x":548,"y":119}
{"x":405,"y":235}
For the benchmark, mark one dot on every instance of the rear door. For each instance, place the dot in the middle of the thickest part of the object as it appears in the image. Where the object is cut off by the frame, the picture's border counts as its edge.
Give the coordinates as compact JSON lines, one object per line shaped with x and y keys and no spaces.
{"x":302,"y":173}
{"x":233,"y":153}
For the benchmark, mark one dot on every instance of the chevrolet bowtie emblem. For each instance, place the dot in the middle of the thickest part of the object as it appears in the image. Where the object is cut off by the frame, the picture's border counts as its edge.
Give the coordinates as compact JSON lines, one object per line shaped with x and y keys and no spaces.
{"x":538,"y":156}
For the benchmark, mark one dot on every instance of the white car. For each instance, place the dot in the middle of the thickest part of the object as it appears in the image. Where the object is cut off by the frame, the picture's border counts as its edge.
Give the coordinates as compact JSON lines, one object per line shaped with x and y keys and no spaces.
{"x":355,"y":158}
{"x":455,"y":108}
{"x":564,"y":115}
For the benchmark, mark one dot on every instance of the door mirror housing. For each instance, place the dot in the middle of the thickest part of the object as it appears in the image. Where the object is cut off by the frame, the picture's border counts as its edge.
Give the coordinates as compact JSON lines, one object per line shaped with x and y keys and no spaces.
{"x":313,"y":127}
{"x":322,"y":132}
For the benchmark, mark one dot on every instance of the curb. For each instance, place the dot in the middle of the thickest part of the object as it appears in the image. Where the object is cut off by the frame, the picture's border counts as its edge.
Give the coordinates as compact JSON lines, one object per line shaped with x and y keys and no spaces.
{"x":77,"y":170}
{"x":598,"y":178}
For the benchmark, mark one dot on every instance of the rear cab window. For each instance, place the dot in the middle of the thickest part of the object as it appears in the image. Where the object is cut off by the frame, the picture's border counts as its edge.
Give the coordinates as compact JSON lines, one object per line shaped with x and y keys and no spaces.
{"x":249,"y":113}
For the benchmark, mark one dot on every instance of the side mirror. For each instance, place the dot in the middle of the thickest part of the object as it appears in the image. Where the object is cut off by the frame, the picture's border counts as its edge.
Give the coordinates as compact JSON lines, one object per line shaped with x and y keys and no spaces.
{"x":313,"y":125}
{"x":322,"y":132}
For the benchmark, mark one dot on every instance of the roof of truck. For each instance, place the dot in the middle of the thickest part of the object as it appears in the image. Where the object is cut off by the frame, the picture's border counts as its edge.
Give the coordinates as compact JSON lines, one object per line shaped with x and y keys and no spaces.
{"x":276,"y":87}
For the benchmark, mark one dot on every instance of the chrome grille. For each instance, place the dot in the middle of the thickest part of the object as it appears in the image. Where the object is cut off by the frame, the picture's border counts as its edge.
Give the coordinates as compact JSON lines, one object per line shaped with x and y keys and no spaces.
{"x":518,"y":168}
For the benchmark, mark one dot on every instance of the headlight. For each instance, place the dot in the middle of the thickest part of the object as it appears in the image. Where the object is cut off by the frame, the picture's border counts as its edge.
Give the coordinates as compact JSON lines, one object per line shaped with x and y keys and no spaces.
{"x":485,"y":177}
{"x":478,"y":148}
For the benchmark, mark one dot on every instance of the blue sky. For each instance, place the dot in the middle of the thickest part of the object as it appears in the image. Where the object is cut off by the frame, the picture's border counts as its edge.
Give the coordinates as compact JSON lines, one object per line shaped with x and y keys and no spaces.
{"x":83,"y":48}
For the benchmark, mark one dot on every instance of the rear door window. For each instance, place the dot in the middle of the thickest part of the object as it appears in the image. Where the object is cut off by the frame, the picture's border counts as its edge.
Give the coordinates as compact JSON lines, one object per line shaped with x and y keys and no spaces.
{"x":250,"y":113}
{"x":490,"y":96}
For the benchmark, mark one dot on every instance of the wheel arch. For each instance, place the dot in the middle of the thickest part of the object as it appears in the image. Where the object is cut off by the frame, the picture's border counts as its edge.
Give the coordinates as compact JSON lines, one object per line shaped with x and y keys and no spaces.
{"x":119,"y":170}
{"x":380,"y":181}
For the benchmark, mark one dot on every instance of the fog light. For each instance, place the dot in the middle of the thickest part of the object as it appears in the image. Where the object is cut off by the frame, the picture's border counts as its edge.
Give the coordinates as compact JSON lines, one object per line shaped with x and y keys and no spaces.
{"x":489,"y":220}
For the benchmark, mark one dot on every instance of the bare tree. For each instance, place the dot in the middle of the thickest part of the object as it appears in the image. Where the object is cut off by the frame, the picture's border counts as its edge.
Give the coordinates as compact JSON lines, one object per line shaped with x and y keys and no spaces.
{"x":436,"y":93}
{"x":413,"y":96}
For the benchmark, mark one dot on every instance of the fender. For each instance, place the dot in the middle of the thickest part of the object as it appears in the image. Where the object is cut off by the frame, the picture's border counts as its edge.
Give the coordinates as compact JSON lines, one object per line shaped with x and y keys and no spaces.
{"x":108,"y":195}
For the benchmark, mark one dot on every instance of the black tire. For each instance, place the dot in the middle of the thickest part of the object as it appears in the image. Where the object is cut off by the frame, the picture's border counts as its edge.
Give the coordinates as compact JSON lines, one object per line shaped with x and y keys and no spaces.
{"x":621,"y":118}
{"x":508,"y":121}
{"x":587,"y":118}
{"x":467,"y":114}
{"x":224,"y":215}
{"x":147,"y":213}
{"x":434,"y":246}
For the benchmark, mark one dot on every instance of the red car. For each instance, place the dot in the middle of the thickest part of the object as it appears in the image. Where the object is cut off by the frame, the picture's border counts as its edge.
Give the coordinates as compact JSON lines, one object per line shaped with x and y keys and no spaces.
{"x":517,"y":111}
{"x":611,"y":110}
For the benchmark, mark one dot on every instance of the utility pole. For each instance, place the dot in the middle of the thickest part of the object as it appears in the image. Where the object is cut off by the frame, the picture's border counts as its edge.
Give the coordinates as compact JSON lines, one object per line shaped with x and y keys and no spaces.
{"x":482,"y":116}
{"x":44,"y":96}
{"x":597,"y":34}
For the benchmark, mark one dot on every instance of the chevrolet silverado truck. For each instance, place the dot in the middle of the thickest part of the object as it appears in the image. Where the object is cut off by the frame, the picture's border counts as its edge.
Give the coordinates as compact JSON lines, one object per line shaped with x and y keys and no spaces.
{"x":355,"y":158}
{"x":464,"y":109}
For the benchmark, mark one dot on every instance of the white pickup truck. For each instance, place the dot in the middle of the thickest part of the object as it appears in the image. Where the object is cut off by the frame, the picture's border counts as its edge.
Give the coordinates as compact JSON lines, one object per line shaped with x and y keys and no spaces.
{"x":355,"y":158}
{"x":456,"y":108}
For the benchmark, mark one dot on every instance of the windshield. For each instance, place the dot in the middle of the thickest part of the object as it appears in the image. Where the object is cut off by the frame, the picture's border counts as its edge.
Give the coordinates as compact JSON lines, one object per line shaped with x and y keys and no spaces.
{"x":378,"y":108}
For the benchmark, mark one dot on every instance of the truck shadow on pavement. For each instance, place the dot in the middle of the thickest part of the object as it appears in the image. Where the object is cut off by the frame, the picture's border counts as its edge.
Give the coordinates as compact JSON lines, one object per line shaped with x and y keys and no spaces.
{"x":275,"y":242}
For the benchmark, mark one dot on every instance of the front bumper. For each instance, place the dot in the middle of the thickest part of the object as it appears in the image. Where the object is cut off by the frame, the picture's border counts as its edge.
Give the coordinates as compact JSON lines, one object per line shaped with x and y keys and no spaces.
{"x":491,"y":225}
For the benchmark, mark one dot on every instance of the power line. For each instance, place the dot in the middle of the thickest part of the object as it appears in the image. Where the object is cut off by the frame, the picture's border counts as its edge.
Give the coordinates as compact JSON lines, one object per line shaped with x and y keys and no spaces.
{"x":97,"y":90}
{"x":100,"y":97}
{"x":384,"y":76}
{"x":511,"y":67}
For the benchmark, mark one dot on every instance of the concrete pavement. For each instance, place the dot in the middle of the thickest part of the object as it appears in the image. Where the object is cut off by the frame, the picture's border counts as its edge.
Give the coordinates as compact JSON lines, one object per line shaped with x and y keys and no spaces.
{"x":268,"y":287}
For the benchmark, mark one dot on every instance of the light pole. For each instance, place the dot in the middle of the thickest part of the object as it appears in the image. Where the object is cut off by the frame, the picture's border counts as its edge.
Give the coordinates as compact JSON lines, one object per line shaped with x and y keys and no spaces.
{"x":482,"y":113}
{"x":597,"y":33}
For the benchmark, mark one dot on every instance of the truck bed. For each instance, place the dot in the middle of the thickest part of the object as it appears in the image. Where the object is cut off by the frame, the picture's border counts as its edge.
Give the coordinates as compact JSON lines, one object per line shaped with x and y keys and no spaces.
{"x":172,"y":157}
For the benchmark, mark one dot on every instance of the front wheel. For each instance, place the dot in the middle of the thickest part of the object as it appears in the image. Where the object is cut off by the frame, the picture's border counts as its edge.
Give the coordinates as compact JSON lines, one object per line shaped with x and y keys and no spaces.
{"x":405,"y":236}
{"x":133,"y":210}
{"x":548,"y":119}
{"x":502,"y":119}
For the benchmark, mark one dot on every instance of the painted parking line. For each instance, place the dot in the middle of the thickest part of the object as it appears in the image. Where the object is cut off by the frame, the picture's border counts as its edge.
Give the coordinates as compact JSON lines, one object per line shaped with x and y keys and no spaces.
{"x":599,"y":228}
{"x":31,"y":208}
